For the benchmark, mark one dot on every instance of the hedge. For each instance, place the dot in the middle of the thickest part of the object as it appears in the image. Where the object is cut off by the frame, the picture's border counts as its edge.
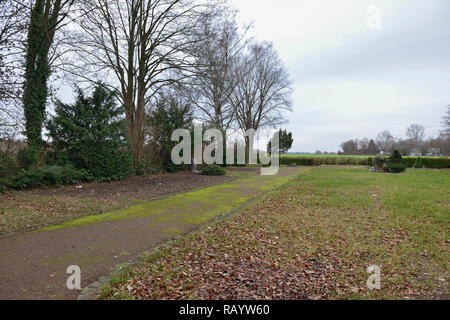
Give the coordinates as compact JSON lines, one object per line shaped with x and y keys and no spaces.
{"x":213,"y":170}
{"x":427,"y":162}
{"x":316,"y":161}
{"x":45,"y":176}
{"x":299,"y":161}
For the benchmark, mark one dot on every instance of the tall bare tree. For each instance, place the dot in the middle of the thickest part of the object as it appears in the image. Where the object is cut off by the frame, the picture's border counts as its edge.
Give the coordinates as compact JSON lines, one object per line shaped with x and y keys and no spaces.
{"x":137,"y":45}
{"x":385,"y":141}
{"x":219,"y":43}
{"x":350,"y":147}
{"x":14,"y":19}
{"x":416,"y":134}
{"x":264,"y":89}
{"x":446,"y":123}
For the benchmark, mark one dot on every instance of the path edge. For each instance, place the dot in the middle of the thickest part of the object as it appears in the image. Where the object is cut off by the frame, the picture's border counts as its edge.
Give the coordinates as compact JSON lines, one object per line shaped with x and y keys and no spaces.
{"x":91,"y":292}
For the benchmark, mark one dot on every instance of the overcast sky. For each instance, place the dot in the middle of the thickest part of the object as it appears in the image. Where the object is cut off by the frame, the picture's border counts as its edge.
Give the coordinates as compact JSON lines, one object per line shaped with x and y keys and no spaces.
{"x":352,"y":81}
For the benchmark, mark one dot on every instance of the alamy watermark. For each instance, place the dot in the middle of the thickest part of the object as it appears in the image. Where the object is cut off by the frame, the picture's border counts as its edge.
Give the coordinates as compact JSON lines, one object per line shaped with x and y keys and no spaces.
{"x":374,"y":17}
{"x":210,"y":146}
{"x":374,"y":281}
{"x":74,"y":280}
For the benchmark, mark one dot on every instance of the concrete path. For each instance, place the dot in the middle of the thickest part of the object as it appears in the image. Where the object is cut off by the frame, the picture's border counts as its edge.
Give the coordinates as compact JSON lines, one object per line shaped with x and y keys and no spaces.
{"x":33,"y":264}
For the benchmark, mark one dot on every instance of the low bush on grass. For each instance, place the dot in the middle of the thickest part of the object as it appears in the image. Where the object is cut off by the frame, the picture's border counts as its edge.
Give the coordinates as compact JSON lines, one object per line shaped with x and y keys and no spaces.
{"x":395,"y":164}
{"x":395,"y":167}
{"x":392,"y":164}
{"x":213,"y":170}
{"x":47,"y":176}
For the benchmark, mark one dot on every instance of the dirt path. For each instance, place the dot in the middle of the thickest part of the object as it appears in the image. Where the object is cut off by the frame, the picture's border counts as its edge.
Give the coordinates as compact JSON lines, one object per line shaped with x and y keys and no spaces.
{"x":33,"y":264}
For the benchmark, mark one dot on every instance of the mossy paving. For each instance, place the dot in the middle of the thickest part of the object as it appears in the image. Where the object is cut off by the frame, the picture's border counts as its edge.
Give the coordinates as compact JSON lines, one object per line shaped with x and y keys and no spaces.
{"x":192,"y":207}
{"x":33,"y":264}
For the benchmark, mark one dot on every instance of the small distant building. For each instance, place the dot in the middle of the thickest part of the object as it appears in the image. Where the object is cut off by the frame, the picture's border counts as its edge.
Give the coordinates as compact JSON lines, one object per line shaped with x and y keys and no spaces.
{"x":434,"y":152}
{"x":415,"y":152}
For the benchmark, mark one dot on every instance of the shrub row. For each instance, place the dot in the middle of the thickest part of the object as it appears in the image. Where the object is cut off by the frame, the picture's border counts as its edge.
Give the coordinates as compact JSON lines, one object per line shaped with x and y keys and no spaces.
{"x":45,"y":176}
{"x":316,"y":161}
{"x":426,"y":162}
{"x":410,"y":162}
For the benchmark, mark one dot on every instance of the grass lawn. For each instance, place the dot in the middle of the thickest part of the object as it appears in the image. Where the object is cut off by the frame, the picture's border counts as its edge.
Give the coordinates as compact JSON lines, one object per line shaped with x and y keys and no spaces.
{"x":314,"y":238}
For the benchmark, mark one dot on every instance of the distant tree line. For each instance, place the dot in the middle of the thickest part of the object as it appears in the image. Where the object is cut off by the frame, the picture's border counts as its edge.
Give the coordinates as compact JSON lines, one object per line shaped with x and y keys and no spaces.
{"x":414,"y":144}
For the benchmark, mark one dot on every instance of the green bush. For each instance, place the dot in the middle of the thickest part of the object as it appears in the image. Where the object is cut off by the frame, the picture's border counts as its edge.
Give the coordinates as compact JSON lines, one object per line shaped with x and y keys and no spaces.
{"x":3,"y":186}
{"x":395,"y":167}
{"x":47,"y":176}
{"x":396,"y":157}
{"x":27,"y":157}
{"x":213,"y":170}
{"x":173,"y":168}
{"x":91,"y":135}
{"x":8,"y":165}
{"x":395,"y":164}
{"x":171,"y":113}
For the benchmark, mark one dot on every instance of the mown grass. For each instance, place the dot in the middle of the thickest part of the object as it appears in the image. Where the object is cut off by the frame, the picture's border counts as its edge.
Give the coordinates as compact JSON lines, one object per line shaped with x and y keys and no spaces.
{"x":324,"y":227}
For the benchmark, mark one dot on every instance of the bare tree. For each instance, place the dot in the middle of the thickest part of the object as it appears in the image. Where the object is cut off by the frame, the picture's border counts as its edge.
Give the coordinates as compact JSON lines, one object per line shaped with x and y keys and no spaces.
{"x":363,"y":146}
{"x":446,"y":123}
{"x":350,"y":147}
{"x":137,"y":45}
{"x":264,"y":89}
{"x":220,"y":42}
{"x":416,"y":134}
{"x":385,"y":141}
{"x":14,"y":18}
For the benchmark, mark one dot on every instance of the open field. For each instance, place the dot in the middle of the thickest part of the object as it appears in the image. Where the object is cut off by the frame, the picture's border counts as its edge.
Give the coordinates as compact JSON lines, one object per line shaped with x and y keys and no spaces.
{"x":313,"y":238}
